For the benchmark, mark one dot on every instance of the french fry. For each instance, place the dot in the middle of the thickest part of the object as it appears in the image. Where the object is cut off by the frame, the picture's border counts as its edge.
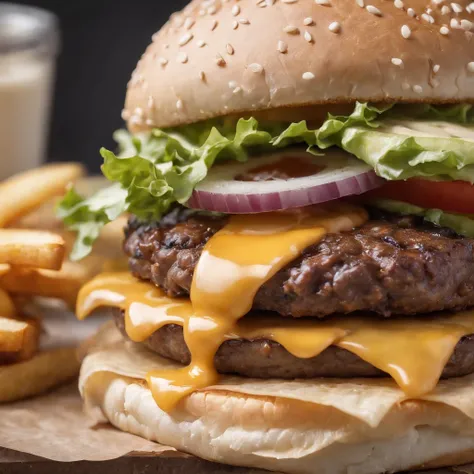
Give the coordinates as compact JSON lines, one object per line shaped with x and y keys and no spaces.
{"x":63,"y":284}
{"x":31,"y":248}
{"x":7,"y":306}
{"x":41,"y":373}
{"x":25,"y":192}
{"x":18,"y":339}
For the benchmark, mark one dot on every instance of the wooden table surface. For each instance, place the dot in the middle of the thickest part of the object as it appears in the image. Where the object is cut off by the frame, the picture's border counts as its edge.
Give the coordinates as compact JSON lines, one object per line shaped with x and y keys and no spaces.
{"x":12,"y":462}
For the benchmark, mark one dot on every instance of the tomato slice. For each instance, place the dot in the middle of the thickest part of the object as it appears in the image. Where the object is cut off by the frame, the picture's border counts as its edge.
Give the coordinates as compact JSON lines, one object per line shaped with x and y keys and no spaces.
{"x":452,"y":196}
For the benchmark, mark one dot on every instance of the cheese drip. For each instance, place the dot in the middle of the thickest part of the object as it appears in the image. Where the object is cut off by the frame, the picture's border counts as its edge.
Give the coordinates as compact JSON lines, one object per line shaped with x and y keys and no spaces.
{"x":412,"y":350}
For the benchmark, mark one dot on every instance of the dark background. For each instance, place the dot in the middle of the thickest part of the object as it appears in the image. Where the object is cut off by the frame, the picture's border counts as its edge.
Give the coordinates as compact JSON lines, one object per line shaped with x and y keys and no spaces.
{"x":102,"y":41}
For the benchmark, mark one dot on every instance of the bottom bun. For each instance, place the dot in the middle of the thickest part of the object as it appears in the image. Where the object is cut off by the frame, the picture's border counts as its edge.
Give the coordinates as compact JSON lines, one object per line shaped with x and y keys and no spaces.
{"x":129,"y":406}
{"x":324,"y":426}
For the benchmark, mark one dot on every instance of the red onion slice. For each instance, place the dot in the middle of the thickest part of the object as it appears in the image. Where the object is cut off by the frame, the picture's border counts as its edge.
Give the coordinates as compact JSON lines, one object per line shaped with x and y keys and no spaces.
{"x":343,"y":175}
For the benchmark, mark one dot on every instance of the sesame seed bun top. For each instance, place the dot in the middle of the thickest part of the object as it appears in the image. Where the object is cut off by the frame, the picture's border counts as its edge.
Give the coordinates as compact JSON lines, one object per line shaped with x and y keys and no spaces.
{"x":223,"y":57}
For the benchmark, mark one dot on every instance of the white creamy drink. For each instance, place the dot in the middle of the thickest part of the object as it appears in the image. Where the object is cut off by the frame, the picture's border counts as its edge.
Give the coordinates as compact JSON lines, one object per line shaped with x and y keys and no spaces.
{"x":28,"y":47}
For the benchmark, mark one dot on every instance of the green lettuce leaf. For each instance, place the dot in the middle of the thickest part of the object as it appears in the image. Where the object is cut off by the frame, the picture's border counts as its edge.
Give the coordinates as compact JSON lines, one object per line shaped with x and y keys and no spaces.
{"x":153,"y":171}
{"x":462,"y":224}
{"x":402,"y":142}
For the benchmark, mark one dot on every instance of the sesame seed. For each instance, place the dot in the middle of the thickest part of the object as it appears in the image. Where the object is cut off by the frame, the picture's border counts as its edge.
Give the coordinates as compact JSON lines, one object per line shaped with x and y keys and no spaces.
{"x":322,"y":2}
{"x":289,"y":1}
{"x":232,"y":84}
{"x":235,"y":24}
{"x":411,"y":12}
{"x":201,"y":43}
{"x":262,"y":4}
{"x":244,"y":21}
{"x":202,"y":76}
{"x":445,"y":10}
{"x":466,"y":25}
{"x":185,"y":39}
{"x":177,"y":20}
{"x":405,"y":86}
{"x":212,"y":10}
{"x":437,"y":2}
{"x":454,"y":23}
{"x":429,"y":10}
{"x":179,"y":104}
{"x":471,"y":6}
{"x":398,"y":4}
{"x":406,"y":32}
{"x":373,"y":10}
{"x":230,"y":49}
{"x":444,"y":30}
{"x":308,"y":36}
{"x":151,"y":102}
{"x":397,"y":62}
{"x":214,"y":25}
{"x":125,"y":114}
{"x":427,"y":18}
{"x":456,"y":7}
{"x":150,"y":122}
{"x":470,"y":66}
{"x":163,"y":61}
{"x":237,"y":90}
{"x":291,"y":30}
{"x":282,"y":47}
{"x":335,"y":27}
{"x":436,"y":68}
{"x":236,"y":10}
{"x":360,"y":3}
{"x":134,"y":120}
{"x":308,"y":76}
{"x":220,"y":61}
{"x":202,"y":12}
{"x":255,"y":67}
{"x":308,"y":21}
{"x":189,"y":23}
{"x":418,"y":89}
{"x":183,"y":58}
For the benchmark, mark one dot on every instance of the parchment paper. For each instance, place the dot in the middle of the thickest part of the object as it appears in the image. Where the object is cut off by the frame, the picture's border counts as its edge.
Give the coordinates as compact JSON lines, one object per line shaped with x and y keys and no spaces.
{"x":53,"y":426}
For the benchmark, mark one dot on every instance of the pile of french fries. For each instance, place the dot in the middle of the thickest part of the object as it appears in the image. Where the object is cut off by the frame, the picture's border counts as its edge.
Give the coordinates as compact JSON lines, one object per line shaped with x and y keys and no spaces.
{"x":33,"y":263}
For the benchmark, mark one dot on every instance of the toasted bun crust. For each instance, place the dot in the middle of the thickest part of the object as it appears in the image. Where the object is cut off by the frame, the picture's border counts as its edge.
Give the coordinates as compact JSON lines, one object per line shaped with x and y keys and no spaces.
{"x":218,"y":57}
{"x":273,"y":435}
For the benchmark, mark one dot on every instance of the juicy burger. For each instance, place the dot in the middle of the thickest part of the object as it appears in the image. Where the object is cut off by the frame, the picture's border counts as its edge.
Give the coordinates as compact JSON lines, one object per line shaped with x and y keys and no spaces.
{"x":301,"y":242}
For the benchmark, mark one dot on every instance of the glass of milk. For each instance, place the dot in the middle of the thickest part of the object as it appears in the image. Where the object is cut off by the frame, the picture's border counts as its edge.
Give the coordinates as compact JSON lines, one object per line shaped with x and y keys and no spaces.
{"x":29,"y":43}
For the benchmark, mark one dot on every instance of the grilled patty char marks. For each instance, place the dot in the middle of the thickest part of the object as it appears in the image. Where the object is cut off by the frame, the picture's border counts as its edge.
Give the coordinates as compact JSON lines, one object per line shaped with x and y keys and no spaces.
{"x":391,"y":265}
{"x":267,"y":359}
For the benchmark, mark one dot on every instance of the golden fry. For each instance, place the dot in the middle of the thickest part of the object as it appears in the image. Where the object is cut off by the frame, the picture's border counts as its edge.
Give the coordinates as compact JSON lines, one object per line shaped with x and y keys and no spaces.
{"x":18,"y":339}
{"x":31,"y":248}
{"x":38,"y":375}
{"x":63,"y":284}
{"x":25,"y":192}
{"x":7,"y":306}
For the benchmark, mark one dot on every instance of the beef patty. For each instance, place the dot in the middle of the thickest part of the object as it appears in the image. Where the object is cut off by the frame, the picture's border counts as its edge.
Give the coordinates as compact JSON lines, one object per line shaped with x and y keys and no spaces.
{"x":268,"y":359}
{"x":391,"y":265}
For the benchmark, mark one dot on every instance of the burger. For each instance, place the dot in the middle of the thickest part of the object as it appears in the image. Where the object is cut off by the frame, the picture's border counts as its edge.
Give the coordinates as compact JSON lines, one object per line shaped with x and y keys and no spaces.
{"x":298,"y":176}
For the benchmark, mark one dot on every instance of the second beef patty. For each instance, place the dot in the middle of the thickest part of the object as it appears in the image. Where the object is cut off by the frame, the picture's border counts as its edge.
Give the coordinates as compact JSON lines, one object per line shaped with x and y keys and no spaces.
{"x":268,"y":359}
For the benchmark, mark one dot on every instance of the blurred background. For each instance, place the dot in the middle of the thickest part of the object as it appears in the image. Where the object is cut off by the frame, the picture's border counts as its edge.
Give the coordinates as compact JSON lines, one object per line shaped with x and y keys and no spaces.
{"x":102,"y":41}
